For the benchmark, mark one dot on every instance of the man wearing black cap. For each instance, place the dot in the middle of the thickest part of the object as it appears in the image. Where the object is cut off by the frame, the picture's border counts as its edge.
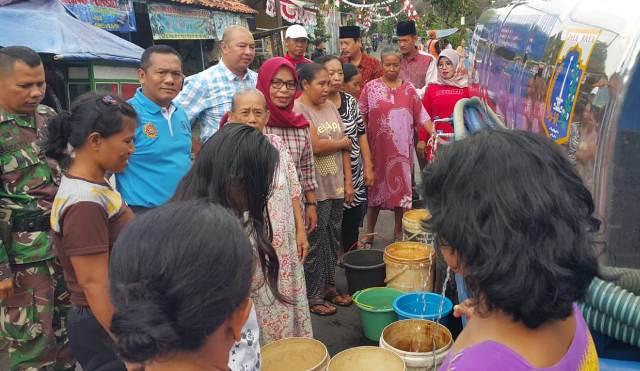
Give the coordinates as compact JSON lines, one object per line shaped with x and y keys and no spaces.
{"x":351,"y":47}
{"x":416,"y":67}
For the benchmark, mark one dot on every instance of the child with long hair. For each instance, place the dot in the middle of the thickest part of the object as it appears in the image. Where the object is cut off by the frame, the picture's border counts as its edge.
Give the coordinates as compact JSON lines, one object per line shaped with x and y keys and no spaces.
{"x":235,"y":169}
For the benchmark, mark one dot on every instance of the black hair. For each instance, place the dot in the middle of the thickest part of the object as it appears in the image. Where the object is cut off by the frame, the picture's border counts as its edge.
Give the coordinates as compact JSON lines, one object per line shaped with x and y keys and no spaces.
{"x":90,"y":112}
{"x":318,"y":42}
{"x":327,"y":58}
{"x":308,"y":72}
{"x":145,"y":60}
{"x":12,"y":54}
{"x":235,"y":169}
{"x":176,"y":274}
{"x":350,"y":70}
{"x":519,"y":218}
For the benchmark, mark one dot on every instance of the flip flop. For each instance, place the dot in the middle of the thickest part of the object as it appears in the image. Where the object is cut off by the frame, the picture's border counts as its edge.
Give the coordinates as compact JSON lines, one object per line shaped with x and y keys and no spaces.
{"x":315,"y":305}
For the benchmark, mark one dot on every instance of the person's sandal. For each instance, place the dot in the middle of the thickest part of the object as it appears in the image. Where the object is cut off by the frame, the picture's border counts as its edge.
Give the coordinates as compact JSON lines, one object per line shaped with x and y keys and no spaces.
{"x":338,"y":298}
{"x":321,"y":308}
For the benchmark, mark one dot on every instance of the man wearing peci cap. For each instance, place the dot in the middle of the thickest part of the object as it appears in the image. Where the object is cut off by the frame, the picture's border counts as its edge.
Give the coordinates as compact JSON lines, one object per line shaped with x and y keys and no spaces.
{"x":351,"y":48}
{"x":416,"y":67}
{"x":296,"y":39}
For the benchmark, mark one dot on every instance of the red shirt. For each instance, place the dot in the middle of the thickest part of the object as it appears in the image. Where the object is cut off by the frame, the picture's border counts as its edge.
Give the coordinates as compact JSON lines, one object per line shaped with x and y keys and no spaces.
{"x":296,"y":62}
{"x":439,"y":101}
{"x":369,"y":67}
{"x":415,"y":69}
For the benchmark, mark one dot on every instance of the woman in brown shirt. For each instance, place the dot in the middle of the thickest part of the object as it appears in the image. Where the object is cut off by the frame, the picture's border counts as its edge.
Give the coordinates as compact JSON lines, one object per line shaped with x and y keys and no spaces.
{"x":94,"y":139}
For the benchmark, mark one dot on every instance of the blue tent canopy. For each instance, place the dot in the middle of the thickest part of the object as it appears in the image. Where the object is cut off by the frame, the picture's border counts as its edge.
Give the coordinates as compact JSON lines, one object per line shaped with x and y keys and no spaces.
{"x":46,"y":27}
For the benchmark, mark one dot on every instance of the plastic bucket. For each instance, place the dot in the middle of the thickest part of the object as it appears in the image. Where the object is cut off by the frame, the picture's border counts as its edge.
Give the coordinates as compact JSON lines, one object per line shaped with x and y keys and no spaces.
{"x":412,"y":229}
{"x":376,"y":309}
{"x":295,"y":354}
{"x":366,"y":359}
{"x":422,"y":344}
{"x":364,"y":269}
{"x":409,"y":266}
{"x":422,"y":305}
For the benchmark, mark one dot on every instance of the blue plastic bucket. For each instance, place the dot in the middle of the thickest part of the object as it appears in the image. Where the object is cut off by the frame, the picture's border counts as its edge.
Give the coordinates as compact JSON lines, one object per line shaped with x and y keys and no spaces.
{"x":422,"y":305}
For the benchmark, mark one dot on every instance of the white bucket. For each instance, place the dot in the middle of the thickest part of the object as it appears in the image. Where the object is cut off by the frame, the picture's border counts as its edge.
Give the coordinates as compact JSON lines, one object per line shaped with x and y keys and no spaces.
{"x":366,"y":359}
{"x":403,"y":337}
{"x":295,"y":354}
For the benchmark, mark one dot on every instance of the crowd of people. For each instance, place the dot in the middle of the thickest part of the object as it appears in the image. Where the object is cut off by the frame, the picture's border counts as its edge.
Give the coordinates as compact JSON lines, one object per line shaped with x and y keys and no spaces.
{"x":120,"y":251}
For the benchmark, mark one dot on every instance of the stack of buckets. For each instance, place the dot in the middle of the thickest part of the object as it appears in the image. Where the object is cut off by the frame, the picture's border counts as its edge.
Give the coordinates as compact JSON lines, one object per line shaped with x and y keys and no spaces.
{"x":407,"y":269}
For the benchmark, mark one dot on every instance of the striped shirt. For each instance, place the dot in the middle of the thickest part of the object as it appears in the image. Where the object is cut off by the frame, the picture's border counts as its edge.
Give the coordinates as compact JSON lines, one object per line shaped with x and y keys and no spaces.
{"x":207,"y":96}
{"x":354,"y":128}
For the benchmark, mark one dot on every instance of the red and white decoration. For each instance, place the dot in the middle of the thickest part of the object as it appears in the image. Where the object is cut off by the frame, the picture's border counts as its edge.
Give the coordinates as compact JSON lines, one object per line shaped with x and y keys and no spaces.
{"x":293,"y":12}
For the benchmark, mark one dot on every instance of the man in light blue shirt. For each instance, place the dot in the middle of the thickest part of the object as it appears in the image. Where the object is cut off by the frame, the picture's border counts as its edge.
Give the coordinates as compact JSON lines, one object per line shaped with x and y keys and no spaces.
{"x":207,"y":95}
{"x":162,"y":141}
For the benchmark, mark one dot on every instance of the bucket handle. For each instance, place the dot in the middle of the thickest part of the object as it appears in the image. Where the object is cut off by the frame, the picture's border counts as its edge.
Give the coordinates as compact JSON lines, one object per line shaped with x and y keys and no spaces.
{"x":357,"y":294}
{"x":393,"y":277}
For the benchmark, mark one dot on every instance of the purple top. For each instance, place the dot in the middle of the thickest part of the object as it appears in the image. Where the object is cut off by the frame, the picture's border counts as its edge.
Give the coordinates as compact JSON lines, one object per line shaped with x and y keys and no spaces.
{"x":490,"y":355}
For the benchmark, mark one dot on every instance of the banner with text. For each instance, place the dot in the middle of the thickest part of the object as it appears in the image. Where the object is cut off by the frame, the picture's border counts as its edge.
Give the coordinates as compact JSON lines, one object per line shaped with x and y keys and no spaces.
{"x":171,"y":22}
{"x":110,"y":15}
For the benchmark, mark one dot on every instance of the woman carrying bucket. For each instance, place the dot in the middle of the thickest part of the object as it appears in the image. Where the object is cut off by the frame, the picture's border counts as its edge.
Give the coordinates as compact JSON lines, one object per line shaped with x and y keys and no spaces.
{"x":524,"y":252}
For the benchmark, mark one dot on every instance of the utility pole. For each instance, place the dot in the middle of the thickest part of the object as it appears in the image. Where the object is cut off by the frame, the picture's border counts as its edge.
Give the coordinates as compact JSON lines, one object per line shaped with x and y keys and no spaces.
{"x":280,"y":42}
{"x":278,"y":13}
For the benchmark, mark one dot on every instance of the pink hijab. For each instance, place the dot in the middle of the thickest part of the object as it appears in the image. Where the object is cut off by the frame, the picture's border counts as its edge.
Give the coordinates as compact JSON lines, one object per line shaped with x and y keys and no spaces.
{"x":279,"y":117}
{"x":458,"y":80}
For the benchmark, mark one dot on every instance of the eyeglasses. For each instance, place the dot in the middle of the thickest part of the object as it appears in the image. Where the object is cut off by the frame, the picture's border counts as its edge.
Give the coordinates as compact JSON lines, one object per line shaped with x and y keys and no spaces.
{"x":277,"y":84}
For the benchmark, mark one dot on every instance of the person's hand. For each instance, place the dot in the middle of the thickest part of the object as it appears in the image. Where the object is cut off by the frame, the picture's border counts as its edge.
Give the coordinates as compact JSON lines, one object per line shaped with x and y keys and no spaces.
{"x":303,"y":245}
{"x":349,"y":194}
{"x":466,"y":308}
{"x":311,"y":218}
{"x":421,"y":149}
{"x":346,"y":144}
{"x":369,"y":176}
{"x":6,"y":288}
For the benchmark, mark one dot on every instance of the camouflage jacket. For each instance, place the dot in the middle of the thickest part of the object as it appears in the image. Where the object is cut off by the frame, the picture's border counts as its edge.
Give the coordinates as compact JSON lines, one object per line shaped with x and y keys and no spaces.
{"x":28,"y":185}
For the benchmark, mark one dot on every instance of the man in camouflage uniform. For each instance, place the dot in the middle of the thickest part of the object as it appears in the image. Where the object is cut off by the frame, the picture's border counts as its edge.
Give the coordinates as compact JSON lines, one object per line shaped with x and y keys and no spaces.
{"x":33,"y":295}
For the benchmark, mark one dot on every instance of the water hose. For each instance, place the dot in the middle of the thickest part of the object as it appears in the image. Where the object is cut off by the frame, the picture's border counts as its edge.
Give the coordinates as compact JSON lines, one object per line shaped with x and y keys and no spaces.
{"x":615,"y":302}
{"x":471,"y":115}
{"x":612,"y":311}
{"x":606,"y":325}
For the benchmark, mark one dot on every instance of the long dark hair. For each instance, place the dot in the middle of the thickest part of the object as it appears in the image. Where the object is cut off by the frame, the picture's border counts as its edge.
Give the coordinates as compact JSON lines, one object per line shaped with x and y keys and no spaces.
{"x":177,"y":273}
{"x":235,"y":169}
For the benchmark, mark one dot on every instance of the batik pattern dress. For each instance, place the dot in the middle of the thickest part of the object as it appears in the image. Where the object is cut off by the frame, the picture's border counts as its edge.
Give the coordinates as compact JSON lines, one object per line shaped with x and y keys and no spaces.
{"x":279,"y":320}
{"x":392,"y":115}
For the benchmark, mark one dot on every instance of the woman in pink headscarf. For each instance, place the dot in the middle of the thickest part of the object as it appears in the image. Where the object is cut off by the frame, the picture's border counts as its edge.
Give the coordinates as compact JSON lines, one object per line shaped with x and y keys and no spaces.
{"x":441,"y":97}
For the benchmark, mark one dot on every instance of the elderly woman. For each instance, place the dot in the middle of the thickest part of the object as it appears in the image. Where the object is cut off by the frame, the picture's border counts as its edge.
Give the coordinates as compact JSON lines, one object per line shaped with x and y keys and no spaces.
{"x":441,"y":97}
{"x":392,"y":112}
{"x":514,"y":220}
{"x":278,"y":319}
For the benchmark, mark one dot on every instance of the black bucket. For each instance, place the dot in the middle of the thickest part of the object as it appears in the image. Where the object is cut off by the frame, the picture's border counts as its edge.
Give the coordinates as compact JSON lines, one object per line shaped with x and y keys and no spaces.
{"x":364,"y":269}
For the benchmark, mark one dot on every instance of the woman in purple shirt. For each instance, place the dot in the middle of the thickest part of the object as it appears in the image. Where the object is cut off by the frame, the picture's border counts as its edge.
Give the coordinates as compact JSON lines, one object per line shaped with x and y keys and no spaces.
{"x":515,"y":220}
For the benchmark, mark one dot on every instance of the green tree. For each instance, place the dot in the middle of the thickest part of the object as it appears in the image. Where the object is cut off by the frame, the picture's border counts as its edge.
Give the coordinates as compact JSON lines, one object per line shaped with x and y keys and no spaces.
{"x":321,"y":27}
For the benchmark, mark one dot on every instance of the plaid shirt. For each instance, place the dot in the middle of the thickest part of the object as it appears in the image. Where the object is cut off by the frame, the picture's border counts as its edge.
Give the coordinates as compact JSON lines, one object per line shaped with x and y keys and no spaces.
{"x":420,"y":71}
{"x":207,"y":96}
{"x":299,"y":144}
{"x":369,"y":67}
